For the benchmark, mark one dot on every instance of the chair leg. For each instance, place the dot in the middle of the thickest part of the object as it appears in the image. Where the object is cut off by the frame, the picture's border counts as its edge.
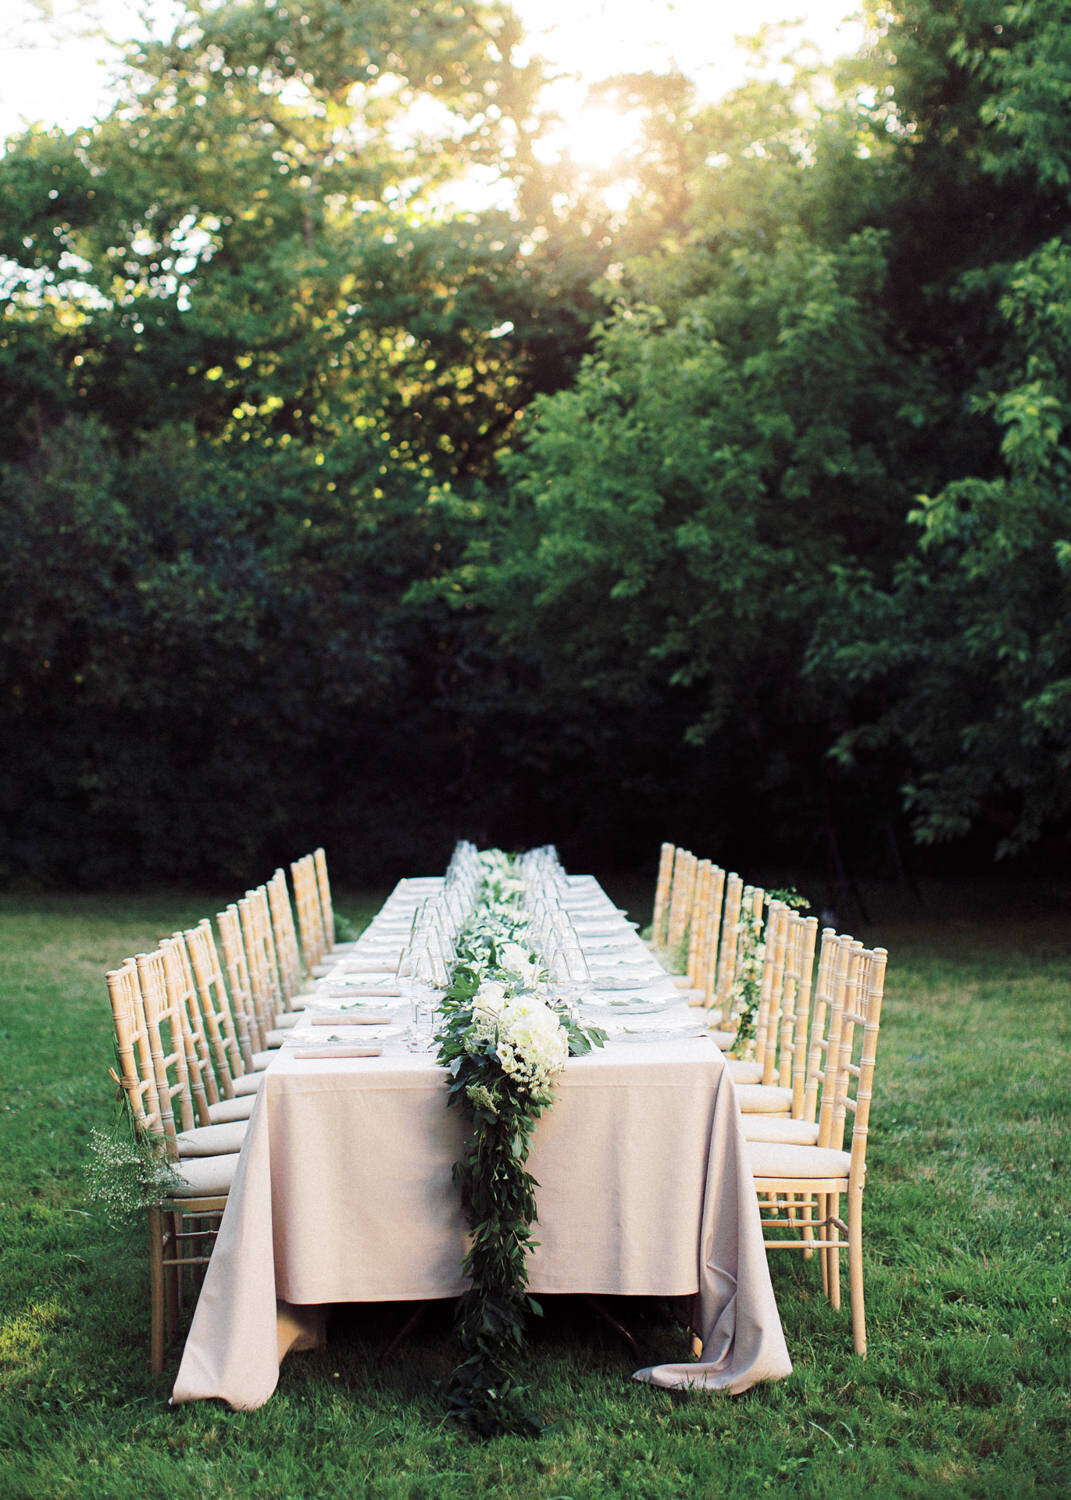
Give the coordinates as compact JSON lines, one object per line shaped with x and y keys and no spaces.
{"x":156,"y":1290}
{"x":855,"y":1270}
{"x":172,"y":1273}
{"x":834,"y":1250}
{"x":823,"y":1225}
{"x":808,"y":1224}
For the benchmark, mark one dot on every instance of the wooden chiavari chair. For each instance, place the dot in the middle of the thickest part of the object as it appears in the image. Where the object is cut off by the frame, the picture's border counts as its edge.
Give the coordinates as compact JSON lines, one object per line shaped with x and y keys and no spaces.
{"x":703,"y":951}
{"x":215,"y":1100}
{"x":287,"y":949}
{"x":768,"y":1120}
{"x":240,"y":987}
{"x":309,"y":914}
{"x":826,"y":1172}
{"x":663,"y":885}
{"x":742,"y":913}
{"x":681,"y":901}
{"x":180,"y":1084}
{"x":258,"y":935}
{"x":194,"y":1191}
{"x":228,"y":1029}
{"x":773,"y":1079}
{"x":332,"y":947}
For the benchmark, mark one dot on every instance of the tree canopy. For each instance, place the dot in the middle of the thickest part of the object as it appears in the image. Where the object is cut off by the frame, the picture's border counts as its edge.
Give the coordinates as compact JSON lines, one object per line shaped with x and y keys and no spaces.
{"x":370,"y":481}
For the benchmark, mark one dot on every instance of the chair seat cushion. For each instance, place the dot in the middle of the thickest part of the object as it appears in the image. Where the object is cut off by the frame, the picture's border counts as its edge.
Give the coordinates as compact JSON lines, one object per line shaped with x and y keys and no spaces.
{"x":261,"y":1060}
{"x":774,"y":1159}
{"x":744,"y":1072}
{"x":775,"y":1128}
{"x":275,"y":1037}
{"x":228,"y":1110}
{"x":247,"y":1083}
{"x":763,"y":1099}
{"x":723,"y":1039}
{"x":285,"y":1019}
{"x":203,"y":1176}
{"x":212,"y":1140}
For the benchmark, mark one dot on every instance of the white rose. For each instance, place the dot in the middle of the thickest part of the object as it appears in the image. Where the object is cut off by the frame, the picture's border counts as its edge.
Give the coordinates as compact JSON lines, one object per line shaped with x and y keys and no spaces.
{"x":514,"y":958}
{"x":490,"y":997}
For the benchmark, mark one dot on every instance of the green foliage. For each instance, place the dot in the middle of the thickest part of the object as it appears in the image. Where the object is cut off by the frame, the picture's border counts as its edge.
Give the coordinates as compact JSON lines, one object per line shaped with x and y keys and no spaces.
{"x":317,"y":478}
{"x":969,"y":650}
{"x":501,"y":1105}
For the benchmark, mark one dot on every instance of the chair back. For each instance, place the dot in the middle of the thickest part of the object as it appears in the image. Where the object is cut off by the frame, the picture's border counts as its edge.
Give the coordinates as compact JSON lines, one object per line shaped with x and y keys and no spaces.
{"x":682,"y":895}
{"x":174,"y":1058}
{"x":795,"y":1005}
{"x":706,"y":968}
{"x":182,"y":993}
{"x":228,"y":1032}
{"x":864,"y":990}
{"x":323,"y":886}
{"x":663,"y":882}
{"x":136,"y":1077}
{"x":773,"y":945}
{"x":239,"y":985}
{"x":702,"y":928}
{"x":727,"y":946}
{"x":255,"y":917}
{"x":287,"y":950}
{"x":309,"y":912}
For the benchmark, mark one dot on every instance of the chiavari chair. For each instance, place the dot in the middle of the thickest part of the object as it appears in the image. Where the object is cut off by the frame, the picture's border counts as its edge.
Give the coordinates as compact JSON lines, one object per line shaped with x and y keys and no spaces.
{"x":830,"y":1170}
{"x":193,"y":1191}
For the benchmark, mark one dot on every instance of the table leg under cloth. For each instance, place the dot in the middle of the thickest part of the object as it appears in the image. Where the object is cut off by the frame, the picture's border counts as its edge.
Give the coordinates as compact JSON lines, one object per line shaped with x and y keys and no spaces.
{"x":344,"y":1194}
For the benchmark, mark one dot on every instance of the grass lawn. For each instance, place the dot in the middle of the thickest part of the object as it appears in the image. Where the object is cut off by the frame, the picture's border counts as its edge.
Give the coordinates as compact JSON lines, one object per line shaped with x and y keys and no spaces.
{"x":965,"y":1392}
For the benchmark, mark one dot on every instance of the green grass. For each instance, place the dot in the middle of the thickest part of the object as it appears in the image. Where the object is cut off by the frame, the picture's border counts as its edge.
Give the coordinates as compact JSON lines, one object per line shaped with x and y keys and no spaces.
{"x":965,"y":1392}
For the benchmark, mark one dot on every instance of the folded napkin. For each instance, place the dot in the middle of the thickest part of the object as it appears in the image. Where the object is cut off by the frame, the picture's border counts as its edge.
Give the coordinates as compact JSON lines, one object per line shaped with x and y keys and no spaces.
{"x":652,"y":1035}
{"x":371,"y":967}
{"x":310,"y":1052}
{"x":358,"y":992}
{"x":352,"y":1020}
{"x":650,"y":984}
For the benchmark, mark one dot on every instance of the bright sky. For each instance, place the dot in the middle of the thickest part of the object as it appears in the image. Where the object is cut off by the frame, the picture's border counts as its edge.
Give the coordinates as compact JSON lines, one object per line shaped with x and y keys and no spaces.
{"x":65,"y":82}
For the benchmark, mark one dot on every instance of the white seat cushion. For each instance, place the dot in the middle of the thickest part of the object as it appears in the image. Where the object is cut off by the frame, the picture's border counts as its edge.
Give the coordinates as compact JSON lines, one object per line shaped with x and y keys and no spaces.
{"x":773,"y":1159}
{"x":246,"y":1083}
{"x":212,"y":1140}
{"x":723,"y":1039}
{"x":763,"y":1099}
{"x":228,"y":1110}
{"x":775,"y":1128}
{"x":261,"y":1060}
{"x":275,"y":1037}
{"x":203,"y":1176}
{"x":745,"y":1072}
{"x":284,"y":1019}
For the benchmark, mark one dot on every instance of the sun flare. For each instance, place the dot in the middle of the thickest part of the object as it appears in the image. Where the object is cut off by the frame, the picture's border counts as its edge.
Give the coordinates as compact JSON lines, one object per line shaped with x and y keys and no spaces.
{"x":598,"y":137}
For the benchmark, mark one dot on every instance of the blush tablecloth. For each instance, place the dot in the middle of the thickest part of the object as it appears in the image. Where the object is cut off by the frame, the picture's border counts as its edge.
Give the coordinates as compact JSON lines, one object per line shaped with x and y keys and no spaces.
{"x":343,"y":1193}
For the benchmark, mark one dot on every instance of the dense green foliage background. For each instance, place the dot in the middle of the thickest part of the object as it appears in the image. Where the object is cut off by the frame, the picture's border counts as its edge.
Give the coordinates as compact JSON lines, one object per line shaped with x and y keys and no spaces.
{"x":337,"y":510}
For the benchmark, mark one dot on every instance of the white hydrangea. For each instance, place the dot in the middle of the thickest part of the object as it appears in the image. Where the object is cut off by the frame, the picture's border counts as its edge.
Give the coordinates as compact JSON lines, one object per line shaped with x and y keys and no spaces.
{"x":488,"y":1004}
{"x":531,"y":1032}
{"x":516,"y":959}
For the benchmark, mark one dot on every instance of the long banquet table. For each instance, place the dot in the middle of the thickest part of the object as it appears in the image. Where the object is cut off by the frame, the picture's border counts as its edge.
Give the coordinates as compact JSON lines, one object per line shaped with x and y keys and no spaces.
{"x":343,"y":1193}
